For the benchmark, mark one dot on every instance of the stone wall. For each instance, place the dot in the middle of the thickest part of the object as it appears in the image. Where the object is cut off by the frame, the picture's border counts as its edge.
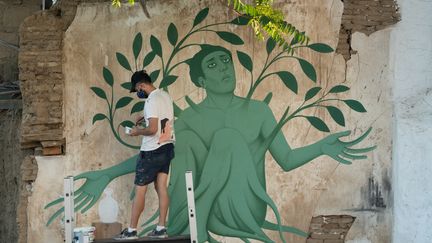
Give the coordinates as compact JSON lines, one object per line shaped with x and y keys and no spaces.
{"x":315,"y":189}
{"x":40,"y":73}
{"x":53,"y":110}
{"x":365,"y":16}
{"x":13,"y":216}
{"x":40,"y":62}
{"x":12,"y":13}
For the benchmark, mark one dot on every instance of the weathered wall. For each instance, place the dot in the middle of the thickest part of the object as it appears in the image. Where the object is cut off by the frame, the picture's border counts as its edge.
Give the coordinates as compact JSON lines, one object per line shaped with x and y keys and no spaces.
{"x":13,"y":216}
{"x":321,"y":187}
{"x":365,"y":16}
{"x":12,"y":13}
{"x":411,"y":62}
{"x":41,"y":79}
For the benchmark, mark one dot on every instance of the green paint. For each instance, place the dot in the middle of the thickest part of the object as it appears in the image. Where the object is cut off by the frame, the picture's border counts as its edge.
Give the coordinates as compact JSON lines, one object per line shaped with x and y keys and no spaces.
{"x":224,"y":138}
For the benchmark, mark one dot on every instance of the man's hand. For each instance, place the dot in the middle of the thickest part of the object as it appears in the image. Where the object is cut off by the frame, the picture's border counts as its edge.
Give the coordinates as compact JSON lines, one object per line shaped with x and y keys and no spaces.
{"x":135,"y":131}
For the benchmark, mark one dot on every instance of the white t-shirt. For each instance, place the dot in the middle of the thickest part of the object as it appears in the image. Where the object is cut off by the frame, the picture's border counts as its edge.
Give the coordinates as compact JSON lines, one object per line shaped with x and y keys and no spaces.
{"x":159,"y":105}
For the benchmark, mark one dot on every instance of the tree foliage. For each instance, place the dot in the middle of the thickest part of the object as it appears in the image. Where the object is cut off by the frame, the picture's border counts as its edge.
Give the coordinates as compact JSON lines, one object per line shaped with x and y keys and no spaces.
{"x":264,"y":20}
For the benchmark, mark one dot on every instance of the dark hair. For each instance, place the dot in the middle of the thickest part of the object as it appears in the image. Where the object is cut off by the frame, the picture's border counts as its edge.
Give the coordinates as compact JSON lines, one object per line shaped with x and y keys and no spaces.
{"x":139,"y":77}
{"x":195,"y":70}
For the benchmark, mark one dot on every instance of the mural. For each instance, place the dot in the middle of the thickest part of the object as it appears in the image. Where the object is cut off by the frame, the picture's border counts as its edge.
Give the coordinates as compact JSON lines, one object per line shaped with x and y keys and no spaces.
{"x":224,"y":138}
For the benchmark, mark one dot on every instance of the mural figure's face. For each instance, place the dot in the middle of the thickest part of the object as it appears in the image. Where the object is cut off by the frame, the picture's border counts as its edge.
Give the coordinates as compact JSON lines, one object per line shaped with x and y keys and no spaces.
{"x":219,"y":74}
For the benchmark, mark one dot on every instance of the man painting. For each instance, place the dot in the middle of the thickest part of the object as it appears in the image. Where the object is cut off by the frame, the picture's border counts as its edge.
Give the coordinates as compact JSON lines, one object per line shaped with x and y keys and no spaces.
{"x":156,"y":152}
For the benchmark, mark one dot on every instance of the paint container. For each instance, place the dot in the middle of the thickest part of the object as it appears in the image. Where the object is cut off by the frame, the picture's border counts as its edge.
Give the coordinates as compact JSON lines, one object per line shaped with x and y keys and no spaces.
{"x":84,"y":234}
{"x":128,"y":130}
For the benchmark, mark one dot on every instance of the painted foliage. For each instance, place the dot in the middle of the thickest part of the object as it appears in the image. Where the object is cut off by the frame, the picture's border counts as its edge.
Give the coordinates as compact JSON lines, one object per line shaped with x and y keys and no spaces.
{"x":224,"y":138}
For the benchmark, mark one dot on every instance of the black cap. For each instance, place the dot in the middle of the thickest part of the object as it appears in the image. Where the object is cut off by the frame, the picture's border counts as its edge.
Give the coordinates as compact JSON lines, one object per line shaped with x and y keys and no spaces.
{"x":139,"y":77}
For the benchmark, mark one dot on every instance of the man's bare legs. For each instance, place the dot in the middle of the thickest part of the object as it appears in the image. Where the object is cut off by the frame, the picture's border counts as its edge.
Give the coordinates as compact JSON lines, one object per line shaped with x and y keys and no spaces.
{"x":161,"y":189}
{"x":138,"y":205}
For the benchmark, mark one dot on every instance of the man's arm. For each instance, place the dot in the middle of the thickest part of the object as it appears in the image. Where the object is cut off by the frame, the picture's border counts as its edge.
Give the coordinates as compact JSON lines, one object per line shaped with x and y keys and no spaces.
{"x":151,"y":129}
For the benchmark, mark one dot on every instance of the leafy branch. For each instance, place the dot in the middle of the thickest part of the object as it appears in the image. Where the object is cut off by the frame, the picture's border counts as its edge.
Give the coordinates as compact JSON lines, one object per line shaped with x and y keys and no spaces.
{"x":263,"y":19}
{"x":287,"y":78}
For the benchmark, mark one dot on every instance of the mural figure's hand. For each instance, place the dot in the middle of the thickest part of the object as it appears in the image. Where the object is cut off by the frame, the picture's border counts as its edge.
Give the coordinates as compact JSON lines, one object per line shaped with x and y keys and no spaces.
{"x":87,"y":195}
{"x":341,"y":151}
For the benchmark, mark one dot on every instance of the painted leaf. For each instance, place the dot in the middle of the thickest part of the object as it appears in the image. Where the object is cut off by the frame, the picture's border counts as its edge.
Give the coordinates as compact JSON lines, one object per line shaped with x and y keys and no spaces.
{"x":289,"y":80}
{"x":355,"y":105}
{"x":311,"y":93}
{"x":99,"y":92}
{"x":339,"y":89}
{"x":245,"y":60}
{"x":123,"y":61}
{"x":137,"y":45}
{"x":99,"y":117}
{"x":138,"y":107}
{"x":318,"y":123}
{"x":320,"y":47}
{"x":308,"y":69}
{"x":156,"y":46}
{"x":167,"y":81}
{"x":268,"y":98}
{"x":240,"y":20}
{"x":200,"y":16}
{"x":109,"y":79}
{"x":270,"y":45}
{"x":230,"y":37}
{"x":126,"y":85}
{"x":337,"y":115}
{"x":124,"y":101}
{"x":154,"y":75}
{"x":127,"y":124}
{"x":177,"y":110}
{"x":172,"y":34}
{"x":148,"y":59}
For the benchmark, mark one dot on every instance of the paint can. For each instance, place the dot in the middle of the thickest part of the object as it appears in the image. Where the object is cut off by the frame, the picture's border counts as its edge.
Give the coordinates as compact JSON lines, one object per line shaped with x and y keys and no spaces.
{"x":128,"y":130}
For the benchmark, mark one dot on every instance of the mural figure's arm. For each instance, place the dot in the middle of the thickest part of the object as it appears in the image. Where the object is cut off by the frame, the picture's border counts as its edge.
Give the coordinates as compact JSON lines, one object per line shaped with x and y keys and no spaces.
{"x":96,"y":181}
{"x":331,"y":145}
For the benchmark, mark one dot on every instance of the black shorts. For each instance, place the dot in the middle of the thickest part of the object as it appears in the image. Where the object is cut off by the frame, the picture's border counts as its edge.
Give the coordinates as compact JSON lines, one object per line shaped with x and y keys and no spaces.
{"x":150,"y":163}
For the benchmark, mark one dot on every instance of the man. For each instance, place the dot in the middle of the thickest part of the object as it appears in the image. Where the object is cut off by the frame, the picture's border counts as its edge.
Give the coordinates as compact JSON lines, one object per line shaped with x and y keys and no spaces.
{"x":156,"y":153}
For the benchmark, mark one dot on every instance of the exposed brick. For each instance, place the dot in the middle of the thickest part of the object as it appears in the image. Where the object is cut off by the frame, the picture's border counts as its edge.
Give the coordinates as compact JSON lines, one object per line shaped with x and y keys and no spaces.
{"x":366,"y":16}
{"x":330,"y":227}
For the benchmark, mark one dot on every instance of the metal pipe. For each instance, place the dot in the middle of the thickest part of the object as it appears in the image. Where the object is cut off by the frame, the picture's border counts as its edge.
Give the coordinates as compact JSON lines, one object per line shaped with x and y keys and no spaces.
{"x":7,"y":44}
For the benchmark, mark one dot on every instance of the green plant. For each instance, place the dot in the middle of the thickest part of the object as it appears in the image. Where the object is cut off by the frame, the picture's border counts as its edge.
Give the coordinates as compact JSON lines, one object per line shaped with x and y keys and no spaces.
{"x":275,"y":53}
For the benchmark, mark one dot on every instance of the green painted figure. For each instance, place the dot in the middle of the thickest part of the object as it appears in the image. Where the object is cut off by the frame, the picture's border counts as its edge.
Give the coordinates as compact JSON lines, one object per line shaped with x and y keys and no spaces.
{"x":223,"y":141}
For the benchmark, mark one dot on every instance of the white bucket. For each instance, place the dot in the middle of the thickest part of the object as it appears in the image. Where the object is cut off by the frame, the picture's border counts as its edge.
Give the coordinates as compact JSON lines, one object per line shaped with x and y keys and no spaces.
{"x":84,"y":234}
